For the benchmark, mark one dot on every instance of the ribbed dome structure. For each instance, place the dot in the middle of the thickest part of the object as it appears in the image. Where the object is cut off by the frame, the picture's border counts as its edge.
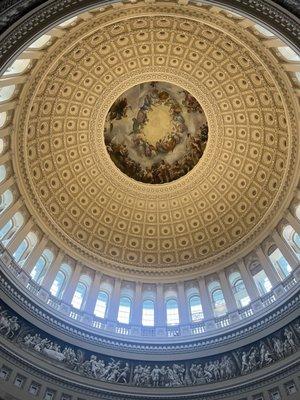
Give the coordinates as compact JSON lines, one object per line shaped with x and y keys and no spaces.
{"x":150,"y":204}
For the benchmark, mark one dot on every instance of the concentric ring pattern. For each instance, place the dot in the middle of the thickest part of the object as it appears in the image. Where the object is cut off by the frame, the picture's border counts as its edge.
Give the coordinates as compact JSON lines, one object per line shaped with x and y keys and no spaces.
{"x":221,"y":207}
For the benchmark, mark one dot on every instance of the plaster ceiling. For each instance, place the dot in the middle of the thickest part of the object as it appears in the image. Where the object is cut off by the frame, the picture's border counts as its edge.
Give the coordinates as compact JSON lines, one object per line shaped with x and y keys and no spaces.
{"x":219,"y":209}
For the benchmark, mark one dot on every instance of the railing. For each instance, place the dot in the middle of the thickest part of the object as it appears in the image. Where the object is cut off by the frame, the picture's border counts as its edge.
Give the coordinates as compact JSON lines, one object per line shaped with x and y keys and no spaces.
{"x":8,"y":264}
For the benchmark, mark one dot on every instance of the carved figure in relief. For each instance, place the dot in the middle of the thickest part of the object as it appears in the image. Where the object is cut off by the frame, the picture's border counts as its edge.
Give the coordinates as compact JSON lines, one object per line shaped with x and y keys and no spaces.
{"x":8,"y":325}
{"x":289,"y":338}
{"x":155,"y":375}
{"x":265,"y":355}
{"x":278,"y":347}
{"x":259,"y":355}
{"x":245,"y":366}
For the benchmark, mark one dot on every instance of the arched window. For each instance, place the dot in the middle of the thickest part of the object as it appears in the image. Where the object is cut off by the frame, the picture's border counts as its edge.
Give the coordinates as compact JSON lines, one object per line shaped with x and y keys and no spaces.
{"x":6,"y":228}
{"x":21,"y":249}
{"x":61,"y":279}
{"x":195,"y":308}
{"x":148,"y":313}
{"x":79,"y":295}
{"x":297,"y":212}
{"x":239,"y":290}
{"x":58,"y":284}
{"x":3,"y":118}
{"x":17,"y":67}
{"x":2,"y":173}
{"x":260,"y":278}
{"x":101,"y":305}
{"x":172,"y":312}
{"x":6,"y":92}
{"x":280,"y":263}
{"x":217,"y":298}
{"x":218,"y":302}
{"x":11,"y":227}
{"x":265,"y":32}
{"x":6,"y":200}
{"x":40,"y":42}
{"x":288,"y":53}
{"x":292,"y":238}
{"x":25,"y":248}
{"x":124,"y":310}
{"x":42,"y":266}
{"x":68,"y":22}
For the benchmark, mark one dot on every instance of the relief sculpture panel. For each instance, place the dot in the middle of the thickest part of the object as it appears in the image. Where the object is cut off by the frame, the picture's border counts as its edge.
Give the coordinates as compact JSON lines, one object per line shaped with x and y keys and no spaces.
{"x":204,"y":370}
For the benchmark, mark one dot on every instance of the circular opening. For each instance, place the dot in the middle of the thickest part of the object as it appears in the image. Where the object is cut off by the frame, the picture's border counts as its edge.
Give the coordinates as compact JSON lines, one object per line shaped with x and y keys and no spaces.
{"x":156,"y":132}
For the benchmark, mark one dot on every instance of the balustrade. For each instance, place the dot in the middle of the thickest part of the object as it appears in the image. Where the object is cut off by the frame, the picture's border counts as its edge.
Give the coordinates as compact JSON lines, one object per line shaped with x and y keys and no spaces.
{"x":8,"y":264}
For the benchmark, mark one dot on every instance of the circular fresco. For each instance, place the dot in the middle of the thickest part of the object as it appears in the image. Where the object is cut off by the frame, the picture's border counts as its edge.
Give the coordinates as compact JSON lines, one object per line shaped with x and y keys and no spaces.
{"x":155,"y":132}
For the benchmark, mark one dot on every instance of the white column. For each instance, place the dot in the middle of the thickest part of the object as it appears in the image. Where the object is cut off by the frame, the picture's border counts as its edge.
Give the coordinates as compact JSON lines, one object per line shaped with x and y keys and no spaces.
{"x":137,"y":306}
{"x":92,"y":295}
{"x":293,"y":221}
{"x":268,"y":267}
{"x":248,"y":281}
{"x":160,"y":309}
{"x":207,"y":307}
{"x":52,"y":271}
{"x":184,"y":315}
{"x":20,"y":235}
{"x":227,"y":292}
{"x":72,"y":284}
{"x":114,"y":301}
{"x":11,"y":105}
{"x":285,"y":250}
{"x":35,"y":255}
{"x":31,"y":55}
{"x":5,"y":157}
{"x":15,"y":80}
{"x":10,"y":212}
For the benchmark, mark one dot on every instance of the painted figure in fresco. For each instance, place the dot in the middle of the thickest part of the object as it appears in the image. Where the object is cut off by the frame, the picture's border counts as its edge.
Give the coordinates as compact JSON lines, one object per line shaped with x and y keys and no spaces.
{"x":129,"y":150}
{"x":118,"y":109}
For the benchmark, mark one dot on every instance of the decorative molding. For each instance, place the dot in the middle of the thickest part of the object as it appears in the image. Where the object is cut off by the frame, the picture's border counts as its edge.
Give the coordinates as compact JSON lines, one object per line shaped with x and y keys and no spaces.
{"x":241,"y":362}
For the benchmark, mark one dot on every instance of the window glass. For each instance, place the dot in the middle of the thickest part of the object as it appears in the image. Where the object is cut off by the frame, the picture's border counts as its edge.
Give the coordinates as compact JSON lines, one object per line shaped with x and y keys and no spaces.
{"x":57,"y":285}
{"x":262,"y":282}
{"x":292,"y":238}
{"x":101,"y":305}
{"x":40,"y":42}
{"x":2,"y":172}
{"x":288,"y":53}
{"x":172,"y":312}
{"x":6,"y":92}
{"x":3,"y":116}
{"x":17,"y":67}
{"x":68,"y":22}
{"x":41,"y":266}
{"x":148,"y":313}
{"x":280,"y":263}
{"x":79,"y":295}
{"x":263,"y":30}
{"x":38,"y":268}
{"x":21,"y":250}
{"x":6,"y":200}
{"x":6,"y":228}
{"x":219,"y":304}
{"x":196,"y":309}
{"x":124,"y":310}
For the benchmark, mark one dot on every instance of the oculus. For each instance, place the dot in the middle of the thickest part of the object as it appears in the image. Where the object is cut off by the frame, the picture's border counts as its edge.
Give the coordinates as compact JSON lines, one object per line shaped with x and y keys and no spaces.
{"x":156,"y":132}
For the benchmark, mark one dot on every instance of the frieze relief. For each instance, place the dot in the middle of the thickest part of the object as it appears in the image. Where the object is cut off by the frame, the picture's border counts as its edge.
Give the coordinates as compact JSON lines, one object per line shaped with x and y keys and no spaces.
{"x":205,"y":370}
